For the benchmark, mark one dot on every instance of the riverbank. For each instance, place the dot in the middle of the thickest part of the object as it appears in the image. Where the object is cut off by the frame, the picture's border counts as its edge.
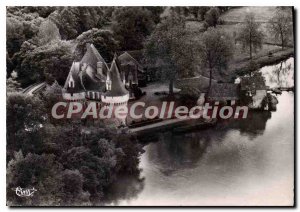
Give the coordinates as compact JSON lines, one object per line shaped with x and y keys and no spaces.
{"x":242,"y":67}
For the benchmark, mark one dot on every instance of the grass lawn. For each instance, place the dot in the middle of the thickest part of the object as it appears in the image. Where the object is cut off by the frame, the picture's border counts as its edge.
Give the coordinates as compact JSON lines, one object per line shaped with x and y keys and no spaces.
{"x":237,"y":15}
{"x":241,"y":54}
{"x":233,"y":22}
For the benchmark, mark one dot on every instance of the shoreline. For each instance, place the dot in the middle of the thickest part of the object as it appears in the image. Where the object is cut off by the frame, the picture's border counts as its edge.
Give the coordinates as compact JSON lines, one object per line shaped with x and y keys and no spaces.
{"x":242,"y":68}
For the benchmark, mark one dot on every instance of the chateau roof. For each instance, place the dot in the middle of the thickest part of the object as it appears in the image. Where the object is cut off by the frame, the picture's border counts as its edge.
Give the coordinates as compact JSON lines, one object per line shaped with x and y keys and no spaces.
{"x":92,"y":56}
{"x":74,"y":74}
{"x":117,"y":87}
{"x":127,"y":59}
{"x":198,"y":84}
{"x":223,"y":91}
{"x":55,"y":88}
{"x":136,"y":54}
{"x":255,"y":82}
{"x":90,"y":80}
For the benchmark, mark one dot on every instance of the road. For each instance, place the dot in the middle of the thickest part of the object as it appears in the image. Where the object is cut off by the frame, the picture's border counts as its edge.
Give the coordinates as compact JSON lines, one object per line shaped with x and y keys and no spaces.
{"x":32,"y":89}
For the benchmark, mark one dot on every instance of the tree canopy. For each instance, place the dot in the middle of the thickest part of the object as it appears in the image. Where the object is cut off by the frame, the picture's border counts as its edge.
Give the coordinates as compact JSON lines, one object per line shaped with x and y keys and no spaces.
{"x":169,"y":46}
{"x":216,"y":50}
{"x":103,"y":40}
{"x":131,"y":25}
{"x":280,"y":26}
{"x":250,"y":34}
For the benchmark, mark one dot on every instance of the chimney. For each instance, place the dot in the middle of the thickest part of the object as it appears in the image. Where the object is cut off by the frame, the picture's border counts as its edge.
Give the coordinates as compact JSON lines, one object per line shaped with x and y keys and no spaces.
{"x":100,"y":68}
{"x":87,"y":46}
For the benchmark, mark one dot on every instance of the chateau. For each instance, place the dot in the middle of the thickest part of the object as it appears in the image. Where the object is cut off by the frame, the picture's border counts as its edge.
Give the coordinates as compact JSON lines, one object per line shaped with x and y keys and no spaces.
{"x":92,"y":79}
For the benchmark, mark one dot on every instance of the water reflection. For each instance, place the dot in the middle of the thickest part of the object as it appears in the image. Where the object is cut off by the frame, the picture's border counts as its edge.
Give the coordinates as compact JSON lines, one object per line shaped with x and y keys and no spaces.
{"x":127,"y":187}
{"x":235,"y":163}
{"x":253,"y":126}
{"x":280,"y":75}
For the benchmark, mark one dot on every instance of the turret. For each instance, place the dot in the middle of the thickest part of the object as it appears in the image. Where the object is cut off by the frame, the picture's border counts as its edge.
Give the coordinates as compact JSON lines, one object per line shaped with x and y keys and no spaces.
{"x":116,"y":94}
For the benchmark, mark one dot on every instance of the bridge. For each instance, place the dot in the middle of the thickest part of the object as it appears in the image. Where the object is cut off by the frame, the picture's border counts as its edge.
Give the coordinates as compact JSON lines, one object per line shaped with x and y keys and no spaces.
{"x":34,"y":88}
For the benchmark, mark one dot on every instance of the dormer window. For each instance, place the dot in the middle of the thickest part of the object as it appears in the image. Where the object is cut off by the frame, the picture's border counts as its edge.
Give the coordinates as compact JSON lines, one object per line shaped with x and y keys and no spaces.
{"x":108,"y":85}
{"x":71,"y":82}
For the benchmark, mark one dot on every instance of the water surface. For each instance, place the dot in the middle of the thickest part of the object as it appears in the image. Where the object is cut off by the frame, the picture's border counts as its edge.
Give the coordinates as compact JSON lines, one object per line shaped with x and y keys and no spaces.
{"x":237,"y":162}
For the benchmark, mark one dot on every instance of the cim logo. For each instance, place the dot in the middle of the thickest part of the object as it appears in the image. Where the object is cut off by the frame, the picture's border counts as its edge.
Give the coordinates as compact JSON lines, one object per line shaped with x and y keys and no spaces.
{"x":25,"y":192}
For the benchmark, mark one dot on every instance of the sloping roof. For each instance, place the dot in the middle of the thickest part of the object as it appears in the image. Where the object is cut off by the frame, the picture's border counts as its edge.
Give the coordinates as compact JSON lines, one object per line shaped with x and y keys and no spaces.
{"x":90,"y":80}
{"x":55,"y":88}
{"x":223,"y":91}
{"x":127,"y":59}
{"x":92,"y":56}
{"x":117,"y":87}
{"x":136,"y":54}
{"x":253,"y":83}
{"x":74,"y":74}
{"x":197,"y":84}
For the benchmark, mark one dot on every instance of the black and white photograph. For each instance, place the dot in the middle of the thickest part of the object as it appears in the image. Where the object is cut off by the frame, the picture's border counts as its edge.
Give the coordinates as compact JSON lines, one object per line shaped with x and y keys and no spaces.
{"x":150,"y":106}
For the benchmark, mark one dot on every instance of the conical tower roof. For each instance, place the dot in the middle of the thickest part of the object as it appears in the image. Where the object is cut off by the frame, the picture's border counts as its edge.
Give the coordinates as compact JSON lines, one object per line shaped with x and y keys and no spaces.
{"x":117,"y":87}
{"x":92,"y":56}
{"x":74,"y":77}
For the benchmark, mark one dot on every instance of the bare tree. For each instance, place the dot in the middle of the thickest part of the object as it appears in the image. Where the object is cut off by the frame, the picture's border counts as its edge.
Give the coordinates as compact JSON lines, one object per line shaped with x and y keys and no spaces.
{"x":216,"y":50}
{"x":250,"y":35}
{"x":280,"y":26}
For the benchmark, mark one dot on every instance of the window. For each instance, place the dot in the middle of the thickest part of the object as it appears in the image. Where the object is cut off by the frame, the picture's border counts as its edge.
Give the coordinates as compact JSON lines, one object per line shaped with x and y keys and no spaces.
{"x":108,"y":85}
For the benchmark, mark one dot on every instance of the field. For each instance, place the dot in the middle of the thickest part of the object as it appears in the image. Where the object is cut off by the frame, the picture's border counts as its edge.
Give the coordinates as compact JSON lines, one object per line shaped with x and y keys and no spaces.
{"x":237,"y":15}
{"x":232,"y":22}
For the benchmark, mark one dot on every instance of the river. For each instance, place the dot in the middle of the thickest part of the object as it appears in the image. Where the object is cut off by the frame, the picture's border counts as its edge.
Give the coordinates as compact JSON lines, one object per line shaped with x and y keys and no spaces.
{"x":237,"y":162}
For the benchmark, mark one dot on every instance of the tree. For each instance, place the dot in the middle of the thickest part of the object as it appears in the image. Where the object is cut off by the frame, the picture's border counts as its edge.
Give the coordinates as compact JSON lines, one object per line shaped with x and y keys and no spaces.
{"x":131,"y":25}
{"x":202,"y":11}
{"x":280,"y":26}
{"x":34,"y":171}
{"x":103,"y":40}
{"x":49,"y":62}
{"x":216,"y":51}
{"x":250,"y":35}
{"x":12,"y":85}
{"x":252,"y":67}
{"x":72,"y":189}
{"x":128,"y":158}
{"x":19,"y":28}
{"x":47,"y":33}
{"x":42,"y":11}
{"x":25,"y":119}
{"x":170,"y":46}
{"x":212,"y":17}
{"x":97,"y":171}
{"x":194,"y":11}
{"x":72,"y":21}
{"x":155,"y":12}
{"x":54,"y":185}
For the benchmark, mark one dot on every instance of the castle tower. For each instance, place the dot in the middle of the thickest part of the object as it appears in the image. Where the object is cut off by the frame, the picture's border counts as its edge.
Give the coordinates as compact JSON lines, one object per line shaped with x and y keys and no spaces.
{"x":116,"y":94}
{"x":73,"y":90}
